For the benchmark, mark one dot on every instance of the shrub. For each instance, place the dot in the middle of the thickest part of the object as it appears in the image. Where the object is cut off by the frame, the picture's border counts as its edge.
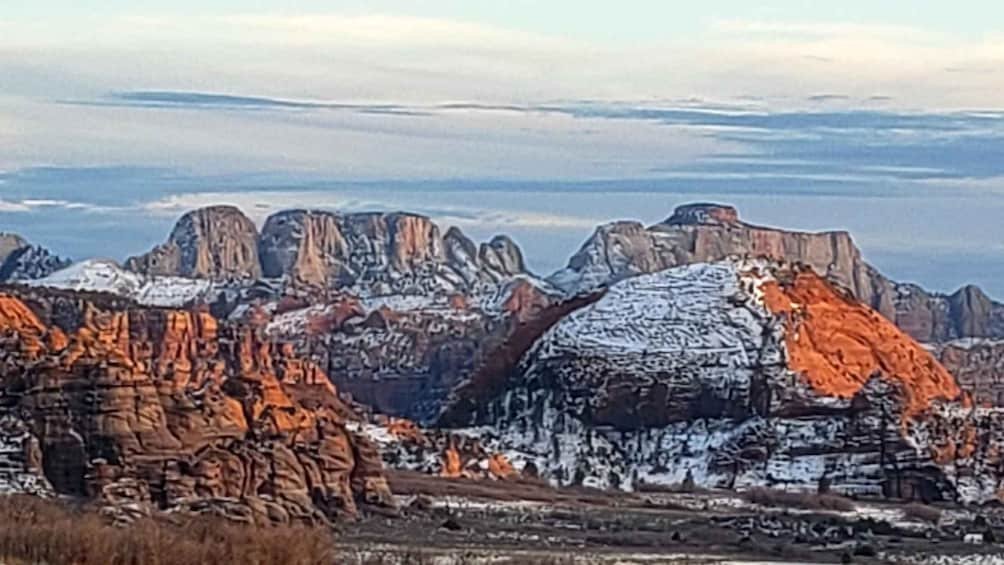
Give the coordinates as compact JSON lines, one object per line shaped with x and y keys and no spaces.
{"x":803,"y":500}
{"x":922,"y":513}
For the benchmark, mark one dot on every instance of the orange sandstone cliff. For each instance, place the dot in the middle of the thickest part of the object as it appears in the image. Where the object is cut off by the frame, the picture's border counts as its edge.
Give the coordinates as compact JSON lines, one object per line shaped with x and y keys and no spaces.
{"x":151,"y":408}
{"x":838,"y":344}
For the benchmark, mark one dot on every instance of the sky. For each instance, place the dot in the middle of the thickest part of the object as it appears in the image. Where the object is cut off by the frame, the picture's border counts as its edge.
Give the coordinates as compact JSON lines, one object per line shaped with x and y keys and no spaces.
{"x":536,"y":119}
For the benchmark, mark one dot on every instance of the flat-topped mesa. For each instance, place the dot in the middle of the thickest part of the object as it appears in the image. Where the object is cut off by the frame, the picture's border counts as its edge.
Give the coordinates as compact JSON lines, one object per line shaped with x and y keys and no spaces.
{"x":393,"y":250}
{"x":704,"y":214}
{"x":217,"y":242}
{"x":705,"y":232}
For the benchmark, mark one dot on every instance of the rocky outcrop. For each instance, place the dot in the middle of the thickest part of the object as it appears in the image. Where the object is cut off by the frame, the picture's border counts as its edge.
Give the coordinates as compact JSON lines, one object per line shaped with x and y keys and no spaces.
{"x":157,"y":408}
{"x":380,"y":253}
{"x":978,"y":365}
{"x":405,"y":446}
{"x":218,"y":243}
{"x":21,"y":261}
{"x":9,"y":243}
{"x":710,"y":232}
{"x":733,"y":374}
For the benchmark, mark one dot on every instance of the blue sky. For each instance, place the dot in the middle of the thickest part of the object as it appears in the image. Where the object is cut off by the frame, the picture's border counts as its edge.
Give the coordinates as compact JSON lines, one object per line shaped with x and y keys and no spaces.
{"x":539,"y":119}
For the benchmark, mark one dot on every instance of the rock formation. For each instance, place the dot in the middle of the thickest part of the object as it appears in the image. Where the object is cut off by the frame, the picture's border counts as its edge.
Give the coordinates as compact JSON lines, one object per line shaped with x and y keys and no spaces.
{"x":21,"y":261}
{"x":710,"y":232}
{"x":733,"y":373}
{"x":218,"y":242}
{"x":380,"y":253}
{"x":9,"y":243}
{"x":156,"y":408}
{"x":978,"y":365}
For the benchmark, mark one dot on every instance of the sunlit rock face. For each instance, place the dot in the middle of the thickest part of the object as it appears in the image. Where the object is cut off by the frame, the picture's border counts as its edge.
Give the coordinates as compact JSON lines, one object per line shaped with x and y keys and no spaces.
{"x":218,"y":243}
{"x":381,"y":253}
{"x":734,"y":373}
{"x":160,"y":408}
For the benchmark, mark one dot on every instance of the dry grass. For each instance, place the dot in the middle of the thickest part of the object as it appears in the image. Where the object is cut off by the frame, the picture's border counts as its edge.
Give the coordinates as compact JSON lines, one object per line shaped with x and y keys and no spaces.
{"x":33,"y":530}
{"x":804,"y":500}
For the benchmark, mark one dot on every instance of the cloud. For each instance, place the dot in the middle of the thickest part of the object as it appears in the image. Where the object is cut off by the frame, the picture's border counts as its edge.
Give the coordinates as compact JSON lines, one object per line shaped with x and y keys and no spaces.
{"x":822,"y":30}
{"x":260,"y":204}
{"x":382,"y":30}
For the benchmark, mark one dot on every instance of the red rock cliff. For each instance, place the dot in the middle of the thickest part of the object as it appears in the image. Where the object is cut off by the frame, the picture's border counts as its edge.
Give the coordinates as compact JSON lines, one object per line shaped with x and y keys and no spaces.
{"x":837,"y":344}
{"x":168,"y":409}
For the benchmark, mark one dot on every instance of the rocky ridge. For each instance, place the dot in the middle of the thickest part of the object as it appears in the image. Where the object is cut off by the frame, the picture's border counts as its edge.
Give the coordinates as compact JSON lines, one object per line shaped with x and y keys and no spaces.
{"x":428,"y":300}
{"x":21,"y":261}
{"x":217,"y":242}
{"x":364,"y":253}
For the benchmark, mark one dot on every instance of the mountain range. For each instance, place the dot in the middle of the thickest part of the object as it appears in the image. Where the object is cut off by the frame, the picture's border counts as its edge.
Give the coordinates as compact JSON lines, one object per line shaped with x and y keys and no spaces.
{"x":700,"y":349}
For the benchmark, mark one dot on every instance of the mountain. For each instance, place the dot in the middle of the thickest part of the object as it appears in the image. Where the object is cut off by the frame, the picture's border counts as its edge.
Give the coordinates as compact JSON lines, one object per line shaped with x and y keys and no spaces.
{"x":378,"y":253}
{"x":309,"y":250}
{"x":217,"y":242}
{"x":428,"y":299}
{"x":9,"y":243}
{"x":21,"y":261}
{"x":711,"y":232}
{"x":144,"y":409}
{"x":701,"y":349}
{"x":732,"y":374}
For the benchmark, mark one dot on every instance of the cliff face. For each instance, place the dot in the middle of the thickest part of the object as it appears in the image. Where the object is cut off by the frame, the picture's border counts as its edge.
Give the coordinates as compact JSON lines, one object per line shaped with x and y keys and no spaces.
{"x":734,"y":373}
{"x":978,"y":365}
{"x":9,"y":243}
{"x":710,"y":232}
{"x":218,"y":242}
{"x":168,"y":409}
{"x":311,"y":250}
{"x":380,"y":252}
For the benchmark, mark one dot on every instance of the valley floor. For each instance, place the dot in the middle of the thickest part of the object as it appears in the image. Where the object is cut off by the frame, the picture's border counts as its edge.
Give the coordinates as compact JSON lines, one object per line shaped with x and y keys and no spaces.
{"x":456,"y":521}
{"x":444,"y":521}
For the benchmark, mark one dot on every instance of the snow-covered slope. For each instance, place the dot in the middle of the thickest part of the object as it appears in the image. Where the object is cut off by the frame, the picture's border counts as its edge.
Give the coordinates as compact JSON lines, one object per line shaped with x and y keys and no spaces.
{"x":98,"y":275}
{"x":20,"y":460}
{"x":687,"y":373}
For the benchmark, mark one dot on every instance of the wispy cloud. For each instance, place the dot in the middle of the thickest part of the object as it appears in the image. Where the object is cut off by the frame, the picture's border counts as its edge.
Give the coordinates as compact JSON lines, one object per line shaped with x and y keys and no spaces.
{"x":821,"y":30}
{"x":260,"y":204}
